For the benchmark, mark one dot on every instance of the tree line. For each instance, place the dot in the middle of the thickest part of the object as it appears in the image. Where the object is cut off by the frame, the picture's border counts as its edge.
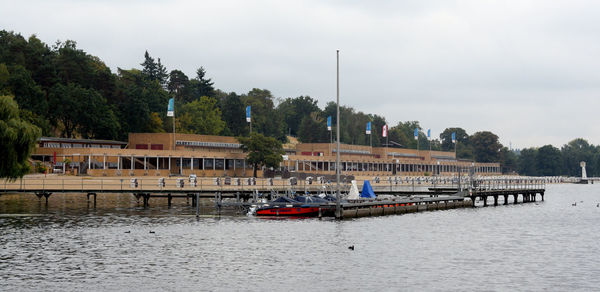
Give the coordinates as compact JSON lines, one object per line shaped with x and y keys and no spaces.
{"x":67,"y":92}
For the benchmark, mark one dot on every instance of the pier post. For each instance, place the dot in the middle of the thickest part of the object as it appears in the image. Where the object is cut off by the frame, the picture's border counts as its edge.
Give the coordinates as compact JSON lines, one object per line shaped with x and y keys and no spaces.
{"x":197,"y":205}
{"x":88,"y":198}
{"x":505,"y":199}
{"x":515,"y":198}
{"x":484,"y":200}
{"x":495,"y":200}
{"x":542,"y":194}
{"x":146,"y":199}
{"x":169,"y":198}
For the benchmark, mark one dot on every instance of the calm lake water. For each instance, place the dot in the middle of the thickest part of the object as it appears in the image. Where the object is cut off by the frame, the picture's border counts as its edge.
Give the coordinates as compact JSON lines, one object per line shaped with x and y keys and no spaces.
{"x":68,"y":246}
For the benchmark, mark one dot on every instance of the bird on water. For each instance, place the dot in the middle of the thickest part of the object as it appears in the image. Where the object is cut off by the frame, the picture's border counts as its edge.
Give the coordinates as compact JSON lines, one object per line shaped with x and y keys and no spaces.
{"x":152,"y":232}
{"x":351,"y":247}
{"x":574,"y":204}
{"x":128,"y":231}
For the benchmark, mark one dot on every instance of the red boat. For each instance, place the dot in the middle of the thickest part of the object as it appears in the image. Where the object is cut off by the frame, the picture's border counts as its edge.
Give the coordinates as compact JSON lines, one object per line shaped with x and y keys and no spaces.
{"x":300,"y":206}
{"x":287,"y":211}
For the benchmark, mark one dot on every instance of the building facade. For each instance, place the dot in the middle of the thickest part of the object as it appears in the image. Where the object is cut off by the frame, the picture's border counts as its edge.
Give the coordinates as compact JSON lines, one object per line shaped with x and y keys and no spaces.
{"x":163,"y":154}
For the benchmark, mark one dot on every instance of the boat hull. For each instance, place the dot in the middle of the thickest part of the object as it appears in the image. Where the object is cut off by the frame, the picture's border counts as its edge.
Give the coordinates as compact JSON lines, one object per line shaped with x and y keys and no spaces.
{"x":288,"y":211}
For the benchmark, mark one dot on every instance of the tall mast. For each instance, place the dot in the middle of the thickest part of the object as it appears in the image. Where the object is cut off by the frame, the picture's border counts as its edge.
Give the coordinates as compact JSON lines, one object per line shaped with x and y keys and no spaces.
{"x":338,"y":213}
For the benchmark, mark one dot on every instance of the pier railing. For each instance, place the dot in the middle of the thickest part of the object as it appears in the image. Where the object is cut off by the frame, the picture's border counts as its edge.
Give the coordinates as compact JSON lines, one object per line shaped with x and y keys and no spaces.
{"x":205,"y":184}
{"x":488,"y":184}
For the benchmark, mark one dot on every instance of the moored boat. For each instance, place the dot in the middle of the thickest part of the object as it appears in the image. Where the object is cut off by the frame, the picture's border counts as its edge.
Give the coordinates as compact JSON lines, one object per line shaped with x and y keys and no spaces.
{"x":304,"y":206}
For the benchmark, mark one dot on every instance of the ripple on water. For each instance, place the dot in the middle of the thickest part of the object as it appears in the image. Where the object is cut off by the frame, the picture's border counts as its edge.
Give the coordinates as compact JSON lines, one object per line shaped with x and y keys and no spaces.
{"x":71,"y":247}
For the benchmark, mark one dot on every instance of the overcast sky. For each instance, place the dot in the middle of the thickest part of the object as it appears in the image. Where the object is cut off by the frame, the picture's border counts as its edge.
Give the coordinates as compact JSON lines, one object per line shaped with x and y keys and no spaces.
{"x":526,"y":70}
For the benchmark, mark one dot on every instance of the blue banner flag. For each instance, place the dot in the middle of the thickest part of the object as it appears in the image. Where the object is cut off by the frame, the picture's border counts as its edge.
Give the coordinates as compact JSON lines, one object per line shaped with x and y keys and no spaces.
{"x":428,"y":133}
{"x":453,"y":137}
{"x":329,"y":123}
{"x":416,"y":133}
{"x":248,"y":114}
{"x":171,"y":108}
{"x":369,"y":128}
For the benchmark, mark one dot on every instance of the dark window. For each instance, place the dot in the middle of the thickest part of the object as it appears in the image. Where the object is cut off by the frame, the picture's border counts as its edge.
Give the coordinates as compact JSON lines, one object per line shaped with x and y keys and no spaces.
{"x":154,"y":147}
{"x":141,"y":146}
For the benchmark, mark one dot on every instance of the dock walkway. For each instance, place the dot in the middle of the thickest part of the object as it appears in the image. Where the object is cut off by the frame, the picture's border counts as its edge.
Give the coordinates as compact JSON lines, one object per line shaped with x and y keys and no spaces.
{"x":400,"y":194}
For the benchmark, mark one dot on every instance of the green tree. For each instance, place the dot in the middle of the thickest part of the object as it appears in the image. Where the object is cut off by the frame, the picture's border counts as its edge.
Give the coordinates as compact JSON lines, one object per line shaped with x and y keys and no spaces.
{"x":486,"y":147}
{"x":376,"y":129}
{"x":527,"y":162}
{"x":201,"y":86}
{"x":294,"y":110}
{"x":234,"y":115}
{"x":95,"y":120}
{"x":548,"y":160}
{"x":404,"y":134}
{"x":149,"y":67}
{"x":4,"y":75}
{"x":313,"y":129}
{"x":573,"y":153}
{"x":137,"y":98}
{"x":162,"y":74}
{"x":508,"y":160}
{"x":200,"y":117}
{"x":179,"y":87}
{"x":27,"y":93}
{"x":262,"y":151}
{"x":17,"y":138}
{"x":265,"y":119}
{"x":446,"y":137}
{"x":156,"y":124}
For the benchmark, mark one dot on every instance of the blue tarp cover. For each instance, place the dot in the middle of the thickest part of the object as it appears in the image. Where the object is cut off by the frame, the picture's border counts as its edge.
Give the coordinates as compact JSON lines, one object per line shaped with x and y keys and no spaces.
{"x":367,"y":191}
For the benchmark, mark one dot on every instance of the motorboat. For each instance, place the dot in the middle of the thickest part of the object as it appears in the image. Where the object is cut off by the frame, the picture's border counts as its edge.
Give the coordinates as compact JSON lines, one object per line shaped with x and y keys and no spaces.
{"x":303,"y":206}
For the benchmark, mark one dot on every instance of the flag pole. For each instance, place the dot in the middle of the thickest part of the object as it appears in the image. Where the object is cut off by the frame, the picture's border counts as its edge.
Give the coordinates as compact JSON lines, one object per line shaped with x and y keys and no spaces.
{"x":429,"y":141}
{"x":385,"y":132}
{"x":174,"y":141}
{"x":338,"y":210}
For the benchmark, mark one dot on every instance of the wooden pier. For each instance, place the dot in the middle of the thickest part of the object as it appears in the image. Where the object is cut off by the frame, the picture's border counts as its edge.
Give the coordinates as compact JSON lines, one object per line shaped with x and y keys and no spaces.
{"x":398,"y":196}
{"x":528,"y":189}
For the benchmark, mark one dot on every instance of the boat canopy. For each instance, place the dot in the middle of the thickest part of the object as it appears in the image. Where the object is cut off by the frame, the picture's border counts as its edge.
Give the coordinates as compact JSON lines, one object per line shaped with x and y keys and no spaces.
{"x":310,"y":199}
{"x":367,"y":191}
{"x":284,"y":200}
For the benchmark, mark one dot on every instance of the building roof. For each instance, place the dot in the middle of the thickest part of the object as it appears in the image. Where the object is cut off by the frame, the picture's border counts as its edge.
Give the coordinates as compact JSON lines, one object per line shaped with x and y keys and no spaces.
{"x":84,"y":141}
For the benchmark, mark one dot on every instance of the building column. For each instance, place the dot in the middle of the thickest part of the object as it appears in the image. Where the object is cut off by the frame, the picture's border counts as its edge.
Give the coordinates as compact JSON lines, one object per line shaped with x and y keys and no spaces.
{"x":192,"y":164}
{"x":145,"y":163}
{"x":103,"y":161}
{"x":169,"y":164}
{"x":181,"y":165}
{"x":90,"y":161}
{"x":157,"y":163}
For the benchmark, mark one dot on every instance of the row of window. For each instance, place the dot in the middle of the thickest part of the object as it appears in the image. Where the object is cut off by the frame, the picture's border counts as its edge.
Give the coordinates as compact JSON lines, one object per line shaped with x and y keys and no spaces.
{"x":355,"y":166}
{"x":208,"y":144}
{"x":76,"y":145}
